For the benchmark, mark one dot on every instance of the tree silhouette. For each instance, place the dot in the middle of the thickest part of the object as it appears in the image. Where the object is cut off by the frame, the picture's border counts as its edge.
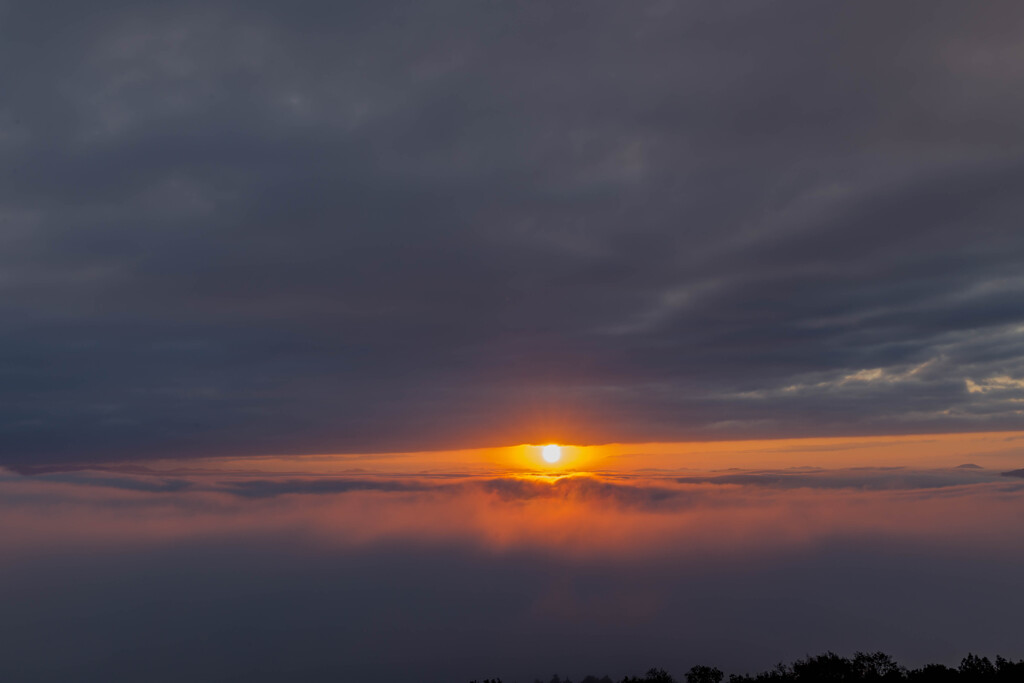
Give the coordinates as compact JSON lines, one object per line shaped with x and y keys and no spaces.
{"x":876,"y":666}
{"x":975,"y":668}
{"x":704,"y":674}
{"x":826,"y":667}
{"x":863,"y":667}
{"x":1009,"y":671}
{"x":933,"y":673}
{"x":652,"y":676}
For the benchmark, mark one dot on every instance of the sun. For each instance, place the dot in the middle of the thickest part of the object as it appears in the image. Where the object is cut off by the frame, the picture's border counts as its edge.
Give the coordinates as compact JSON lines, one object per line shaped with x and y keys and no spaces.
{"x":551,"y":453}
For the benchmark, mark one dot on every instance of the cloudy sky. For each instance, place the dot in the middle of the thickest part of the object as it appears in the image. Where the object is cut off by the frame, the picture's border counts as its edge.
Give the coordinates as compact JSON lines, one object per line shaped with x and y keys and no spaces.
{"x":278,"y":279}
{"x":313,"y":226}
{"x":230,"y":570}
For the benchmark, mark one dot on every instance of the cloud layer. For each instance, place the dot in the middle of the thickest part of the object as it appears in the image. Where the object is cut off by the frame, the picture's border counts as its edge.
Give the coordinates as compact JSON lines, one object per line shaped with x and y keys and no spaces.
{"x":252,"y":227}
{"x":108,"y":575}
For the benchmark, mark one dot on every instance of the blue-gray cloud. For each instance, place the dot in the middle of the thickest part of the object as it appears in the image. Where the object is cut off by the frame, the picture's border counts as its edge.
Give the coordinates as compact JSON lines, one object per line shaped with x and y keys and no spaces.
{"x":253,"y":227}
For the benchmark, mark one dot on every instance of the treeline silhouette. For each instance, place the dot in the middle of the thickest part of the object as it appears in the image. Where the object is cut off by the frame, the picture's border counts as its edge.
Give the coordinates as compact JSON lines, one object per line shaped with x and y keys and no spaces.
{"x":874,"y":667}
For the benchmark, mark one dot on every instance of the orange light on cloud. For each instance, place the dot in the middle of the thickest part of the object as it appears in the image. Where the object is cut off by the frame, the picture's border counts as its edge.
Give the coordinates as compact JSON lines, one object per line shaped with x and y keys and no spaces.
{"x":994,"y":449}
{"x":569,"y":514}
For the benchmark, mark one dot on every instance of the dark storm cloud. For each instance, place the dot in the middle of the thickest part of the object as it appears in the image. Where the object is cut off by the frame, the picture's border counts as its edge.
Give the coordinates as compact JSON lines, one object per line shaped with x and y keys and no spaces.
{"x":267,"y":228}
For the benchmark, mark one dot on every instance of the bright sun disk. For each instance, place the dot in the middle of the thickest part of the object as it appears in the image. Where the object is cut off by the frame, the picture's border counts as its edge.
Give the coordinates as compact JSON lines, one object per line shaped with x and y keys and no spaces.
{"x":551,"y":453}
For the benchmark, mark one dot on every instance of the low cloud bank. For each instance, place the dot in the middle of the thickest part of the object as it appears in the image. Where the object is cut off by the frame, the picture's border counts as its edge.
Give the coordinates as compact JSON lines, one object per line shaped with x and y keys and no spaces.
{"x":263,"y":577}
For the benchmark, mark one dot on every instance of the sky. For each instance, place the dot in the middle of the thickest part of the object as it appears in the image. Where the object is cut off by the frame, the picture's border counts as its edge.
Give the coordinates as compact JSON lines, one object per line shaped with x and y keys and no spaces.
{"x":460,"y":566}
{"x":313,"y":227}
{"x":292,"y":294}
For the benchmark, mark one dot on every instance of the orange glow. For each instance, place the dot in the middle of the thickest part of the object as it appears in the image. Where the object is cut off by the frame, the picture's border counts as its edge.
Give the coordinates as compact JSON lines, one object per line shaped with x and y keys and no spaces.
{"x":635,"y":522}
{"x":598,"y":499}
{"x":993,"y":449}
{"x":573,"y":515}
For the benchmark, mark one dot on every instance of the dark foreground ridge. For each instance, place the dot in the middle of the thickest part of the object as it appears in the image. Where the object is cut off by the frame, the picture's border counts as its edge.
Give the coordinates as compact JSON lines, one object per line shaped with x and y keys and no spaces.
{"x":830,"y":667}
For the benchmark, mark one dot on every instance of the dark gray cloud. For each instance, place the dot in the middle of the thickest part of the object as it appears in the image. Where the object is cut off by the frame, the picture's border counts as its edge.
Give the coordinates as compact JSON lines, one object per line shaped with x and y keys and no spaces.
{"x":264,"y":228}
{"x":642,"y":491}
{"x":886,"y":479}
{"x":267,"y":488}
{"x":585,"y":489}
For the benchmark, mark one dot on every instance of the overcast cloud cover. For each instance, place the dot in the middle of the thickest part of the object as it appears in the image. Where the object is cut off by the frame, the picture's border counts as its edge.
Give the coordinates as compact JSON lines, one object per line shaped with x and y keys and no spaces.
{"x":257,"y":227}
